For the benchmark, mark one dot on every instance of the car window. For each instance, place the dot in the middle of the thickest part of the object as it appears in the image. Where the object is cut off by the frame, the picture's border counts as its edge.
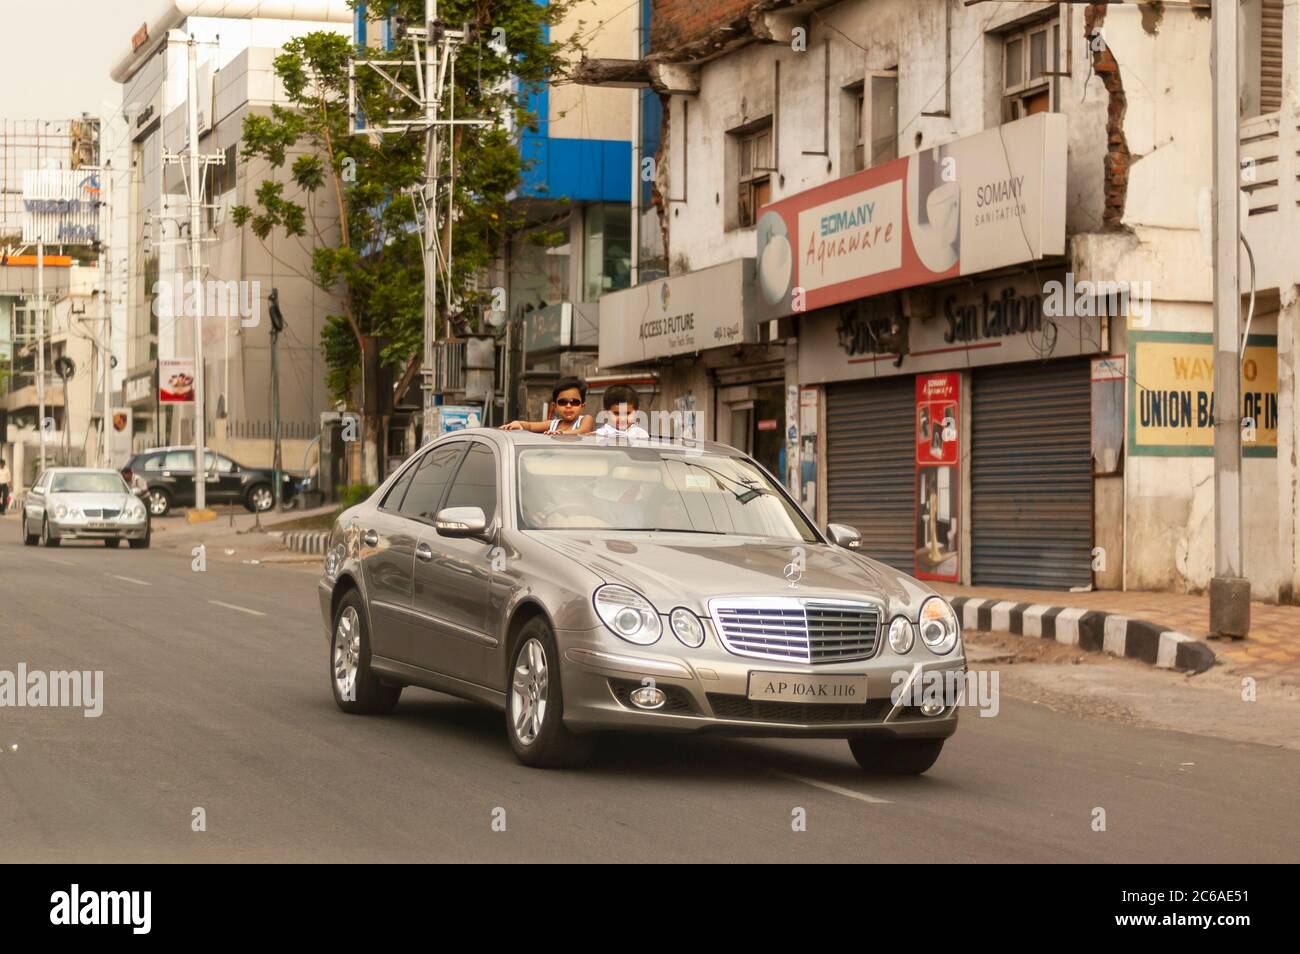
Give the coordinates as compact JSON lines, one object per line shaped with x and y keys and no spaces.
{"x":393,"y":499}
{"x":225,"y":465}
{"x":80,"y":482}
{"x":179,"y":460}
{"x":431,"y":475}
{"x":153,"y":462}
{"x":476,"y":481}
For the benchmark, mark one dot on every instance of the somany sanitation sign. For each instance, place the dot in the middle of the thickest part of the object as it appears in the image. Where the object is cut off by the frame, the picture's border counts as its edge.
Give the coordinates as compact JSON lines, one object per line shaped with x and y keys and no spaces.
{"x":61,"y":207}
{"x":987,"y":201}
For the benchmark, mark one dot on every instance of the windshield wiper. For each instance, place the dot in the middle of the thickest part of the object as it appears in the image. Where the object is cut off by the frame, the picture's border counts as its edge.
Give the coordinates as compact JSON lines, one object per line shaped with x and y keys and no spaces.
{"x":667,"y":530}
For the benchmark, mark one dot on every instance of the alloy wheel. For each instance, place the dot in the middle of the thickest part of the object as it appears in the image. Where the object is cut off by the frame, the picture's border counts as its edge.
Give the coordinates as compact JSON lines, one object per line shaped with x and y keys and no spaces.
{"x":157,"y":503}
{"x":528,"y":693}
{"x":347,"y":653}
{"x":263,"y":499}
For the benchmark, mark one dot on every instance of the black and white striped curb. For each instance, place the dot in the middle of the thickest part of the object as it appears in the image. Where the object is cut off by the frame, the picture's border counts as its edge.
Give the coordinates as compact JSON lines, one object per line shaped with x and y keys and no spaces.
{"x":1095,"y":631}
{"x":305,"y":541}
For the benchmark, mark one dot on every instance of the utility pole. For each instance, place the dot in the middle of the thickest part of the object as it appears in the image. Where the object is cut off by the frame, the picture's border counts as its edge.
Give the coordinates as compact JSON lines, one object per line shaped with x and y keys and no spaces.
{"x":40,"y":348}
{"x":196,"y":268}
{"x":1229,"y":590}
{"x":277,"y":326}
{"x":197,"y":168}
{"x":433,"y":68}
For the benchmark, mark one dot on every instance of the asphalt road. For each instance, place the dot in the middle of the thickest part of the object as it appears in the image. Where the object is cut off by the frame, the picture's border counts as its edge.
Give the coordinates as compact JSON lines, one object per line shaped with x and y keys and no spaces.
{"x":216,"y":697}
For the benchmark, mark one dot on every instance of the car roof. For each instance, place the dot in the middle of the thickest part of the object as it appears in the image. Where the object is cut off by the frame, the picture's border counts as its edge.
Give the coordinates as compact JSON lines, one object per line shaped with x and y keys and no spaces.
{"x":82,"y":470}
{"x":589,"y":441}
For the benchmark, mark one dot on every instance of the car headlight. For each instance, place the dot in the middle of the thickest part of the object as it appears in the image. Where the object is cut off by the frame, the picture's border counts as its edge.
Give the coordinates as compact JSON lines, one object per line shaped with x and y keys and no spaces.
{"x":334,"y":560}
{"x":687,"y":627}
{"x":134,"y":511}
{"x":938,"y":625}
{"x":901,"y":635}
{"x":60,"y":511}
{"x":627,"y":614}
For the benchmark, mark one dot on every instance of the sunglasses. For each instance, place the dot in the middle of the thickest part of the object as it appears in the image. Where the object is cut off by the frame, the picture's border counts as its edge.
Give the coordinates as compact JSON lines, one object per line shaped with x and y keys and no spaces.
{"x":569,"y":402}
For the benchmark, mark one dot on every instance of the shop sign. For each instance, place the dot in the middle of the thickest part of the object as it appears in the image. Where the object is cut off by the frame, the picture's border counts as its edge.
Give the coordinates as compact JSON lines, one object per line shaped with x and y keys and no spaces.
{"x":938,"y":490}
{"x":986,"y":201}
{"x":710,"y":308}
{"x":995,"y":322}
{"x":1171,"y":395}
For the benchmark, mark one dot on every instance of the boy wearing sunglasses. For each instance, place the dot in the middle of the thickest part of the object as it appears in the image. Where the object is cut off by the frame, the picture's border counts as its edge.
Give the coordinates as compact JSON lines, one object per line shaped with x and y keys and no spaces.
{"x":567,"y":400}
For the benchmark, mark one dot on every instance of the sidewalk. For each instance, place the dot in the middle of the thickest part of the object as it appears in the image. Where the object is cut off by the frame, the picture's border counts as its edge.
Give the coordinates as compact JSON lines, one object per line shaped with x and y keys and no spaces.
{"x":1271,"y":652}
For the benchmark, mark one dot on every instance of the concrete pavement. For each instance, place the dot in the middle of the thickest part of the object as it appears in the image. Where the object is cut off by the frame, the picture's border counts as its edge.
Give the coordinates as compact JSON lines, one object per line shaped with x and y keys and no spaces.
{"x":216,"y":698}
{"x":1271,"y":653}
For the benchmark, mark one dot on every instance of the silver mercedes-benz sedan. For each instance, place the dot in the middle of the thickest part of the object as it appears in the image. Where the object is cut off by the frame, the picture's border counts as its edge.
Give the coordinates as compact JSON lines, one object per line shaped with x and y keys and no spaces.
{"x":82,"y":503}
{"x":585,"y":584}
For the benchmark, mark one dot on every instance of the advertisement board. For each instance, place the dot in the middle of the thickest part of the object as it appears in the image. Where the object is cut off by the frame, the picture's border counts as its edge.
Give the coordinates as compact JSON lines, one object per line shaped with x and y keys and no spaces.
{"x":176,"y":380}
{"x":937,"y":486}
{"x":987,"y":201}
{"x":1171,"y":395}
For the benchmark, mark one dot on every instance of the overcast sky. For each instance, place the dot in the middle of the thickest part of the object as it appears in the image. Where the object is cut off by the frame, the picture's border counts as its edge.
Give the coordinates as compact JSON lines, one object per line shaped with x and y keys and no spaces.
{"x":55,"y":55}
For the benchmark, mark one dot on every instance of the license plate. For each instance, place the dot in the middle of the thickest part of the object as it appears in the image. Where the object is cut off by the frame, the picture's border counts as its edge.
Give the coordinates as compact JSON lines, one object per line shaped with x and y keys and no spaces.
{"x":801,"y":687}
{"x":99,"y":525}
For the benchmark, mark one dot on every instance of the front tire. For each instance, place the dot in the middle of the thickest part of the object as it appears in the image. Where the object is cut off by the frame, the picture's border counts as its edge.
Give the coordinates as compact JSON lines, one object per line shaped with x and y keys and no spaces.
{"x":260,"y":498}
{"x":160,"y":502}
{"x":29,"y":539}
{"x":113,"y":542}
{"x":892,"y":756}
{"x":143,"y":542}
{"x":46,"y":539}
{"x":535,"y":704}
{"x":356,"y":688}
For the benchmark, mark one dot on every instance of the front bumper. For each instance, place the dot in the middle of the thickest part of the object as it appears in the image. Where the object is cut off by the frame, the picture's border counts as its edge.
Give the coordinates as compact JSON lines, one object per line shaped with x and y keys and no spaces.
{"x":83,"y":531}
{"x":707,"y":691}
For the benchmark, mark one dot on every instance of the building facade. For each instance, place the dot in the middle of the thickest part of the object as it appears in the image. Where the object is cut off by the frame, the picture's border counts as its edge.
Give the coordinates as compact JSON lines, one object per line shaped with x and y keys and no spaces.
{"x":236,"y":46}
{"x":943,"y":268}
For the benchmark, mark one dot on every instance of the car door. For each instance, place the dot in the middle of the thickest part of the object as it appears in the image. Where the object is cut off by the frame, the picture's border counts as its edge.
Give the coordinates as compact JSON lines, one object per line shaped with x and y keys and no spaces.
{"x":452,"y":577}
{"x":224,"y":482}
{"x":178,"y":476}
{"x":34,"y":504}
{"x":389,"y":534}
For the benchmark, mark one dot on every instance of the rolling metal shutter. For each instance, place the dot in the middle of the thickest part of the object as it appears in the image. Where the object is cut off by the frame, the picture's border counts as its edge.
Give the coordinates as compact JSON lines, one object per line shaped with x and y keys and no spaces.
{"x":870,"y":446}
{"x":1031,"y":475}
{"x":1270,"y":60}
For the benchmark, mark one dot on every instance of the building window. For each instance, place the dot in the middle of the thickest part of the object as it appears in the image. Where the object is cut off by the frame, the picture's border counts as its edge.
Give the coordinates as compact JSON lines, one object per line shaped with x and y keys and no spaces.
{"x":607,"y":251}
{"x":539,"y":266}
{"x":854,"y":124}
{"x":884,"y":116}
{"x":1031,"y":56}
{"x":754,"y":168}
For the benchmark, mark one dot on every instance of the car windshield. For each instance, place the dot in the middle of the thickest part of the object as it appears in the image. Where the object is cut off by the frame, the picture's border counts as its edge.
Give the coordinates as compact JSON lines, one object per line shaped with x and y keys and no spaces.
{"x":642,"y":488}
{"x":88,"y":484}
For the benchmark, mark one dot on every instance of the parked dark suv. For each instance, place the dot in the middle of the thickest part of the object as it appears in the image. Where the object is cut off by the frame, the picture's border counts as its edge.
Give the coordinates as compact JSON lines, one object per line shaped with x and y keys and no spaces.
{"x":167,"y":476}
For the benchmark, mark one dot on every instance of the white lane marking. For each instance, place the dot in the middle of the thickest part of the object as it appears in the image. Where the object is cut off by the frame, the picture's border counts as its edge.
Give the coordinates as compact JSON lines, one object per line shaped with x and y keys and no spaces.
{"x":58,"y":561}
{"x":250,"y":612}
{"x":838,"y":790}
{"x":128,"y":579}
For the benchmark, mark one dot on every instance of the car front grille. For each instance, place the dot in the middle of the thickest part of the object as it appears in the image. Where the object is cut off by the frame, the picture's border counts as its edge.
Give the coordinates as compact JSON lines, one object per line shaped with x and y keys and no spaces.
{"x":738,"y":707}
{"x":805,"y":630}
{"x":93,"y":513}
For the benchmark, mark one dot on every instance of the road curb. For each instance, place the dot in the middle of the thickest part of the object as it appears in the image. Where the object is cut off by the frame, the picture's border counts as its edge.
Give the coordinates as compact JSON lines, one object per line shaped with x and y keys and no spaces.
{"x":1094,"y":631}
{"x":303,"y":541}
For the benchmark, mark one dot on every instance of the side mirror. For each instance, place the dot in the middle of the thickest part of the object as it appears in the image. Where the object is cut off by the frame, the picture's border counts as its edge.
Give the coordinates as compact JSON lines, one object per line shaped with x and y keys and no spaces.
{"x":460,"y":522}
{"x":844,"y":536}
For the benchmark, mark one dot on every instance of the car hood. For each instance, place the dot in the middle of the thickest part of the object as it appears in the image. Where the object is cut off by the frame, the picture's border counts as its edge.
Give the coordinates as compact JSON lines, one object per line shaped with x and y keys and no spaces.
{"x":93,"y":501}
{"x":686,"y":569}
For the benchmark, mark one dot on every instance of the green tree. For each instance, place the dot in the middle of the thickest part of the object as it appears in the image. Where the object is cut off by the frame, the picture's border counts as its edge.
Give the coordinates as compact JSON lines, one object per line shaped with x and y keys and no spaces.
{"x":372,"y":261}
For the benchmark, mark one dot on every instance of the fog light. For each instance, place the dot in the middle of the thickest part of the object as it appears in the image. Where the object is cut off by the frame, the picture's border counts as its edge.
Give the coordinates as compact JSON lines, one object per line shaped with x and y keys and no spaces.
{"x":932,"y":708}
{"x":648,"y":697}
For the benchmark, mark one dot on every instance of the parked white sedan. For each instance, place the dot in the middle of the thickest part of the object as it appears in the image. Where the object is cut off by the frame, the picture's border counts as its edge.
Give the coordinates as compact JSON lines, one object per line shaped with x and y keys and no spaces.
{"x":81,"y":503}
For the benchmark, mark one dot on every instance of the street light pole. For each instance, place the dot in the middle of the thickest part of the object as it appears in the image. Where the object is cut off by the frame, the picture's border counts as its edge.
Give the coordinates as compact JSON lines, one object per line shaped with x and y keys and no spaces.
{"x":1229,"y":590}
{"x":40,"y":347}
{"x":196,"y":268}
